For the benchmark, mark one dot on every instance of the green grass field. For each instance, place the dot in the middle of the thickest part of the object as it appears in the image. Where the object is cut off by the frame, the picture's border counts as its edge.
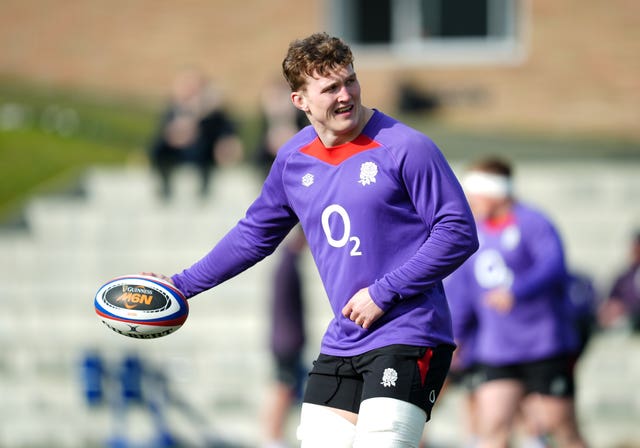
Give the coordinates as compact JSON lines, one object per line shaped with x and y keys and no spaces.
{"x":49,"y":136}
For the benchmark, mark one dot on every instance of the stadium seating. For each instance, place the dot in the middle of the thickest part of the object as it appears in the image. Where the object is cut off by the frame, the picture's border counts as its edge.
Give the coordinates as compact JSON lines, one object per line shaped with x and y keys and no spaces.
{"x":217,"y":365}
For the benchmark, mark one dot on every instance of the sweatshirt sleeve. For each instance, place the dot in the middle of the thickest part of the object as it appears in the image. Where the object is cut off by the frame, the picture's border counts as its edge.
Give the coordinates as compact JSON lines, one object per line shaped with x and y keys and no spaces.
{"x":266,"y":223}
{"x":548,"y":265}
{"x":451,"y":233}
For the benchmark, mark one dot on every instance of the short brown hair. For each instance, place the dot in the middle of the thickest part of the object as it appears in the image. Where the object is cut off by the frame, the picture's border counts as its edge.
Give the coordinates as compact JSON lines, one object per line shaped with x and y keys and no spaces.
{"x":318,"y":53}
{"x":493,"y":165}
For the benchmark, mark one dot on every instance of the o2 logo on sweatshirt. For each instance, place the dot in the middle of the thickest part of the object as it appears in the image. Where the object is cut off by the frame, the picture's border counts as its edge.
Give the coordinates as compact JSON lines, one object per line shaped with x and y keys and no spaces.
{"x":346,"y":237}
{"x":491,"y":271}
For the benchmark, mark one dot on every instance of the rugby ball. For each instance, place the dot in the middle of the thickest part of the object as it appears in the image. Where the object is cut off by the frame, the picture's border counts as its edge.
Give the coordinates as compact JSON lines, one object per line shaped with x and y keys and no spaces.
{"x":141,"y":306}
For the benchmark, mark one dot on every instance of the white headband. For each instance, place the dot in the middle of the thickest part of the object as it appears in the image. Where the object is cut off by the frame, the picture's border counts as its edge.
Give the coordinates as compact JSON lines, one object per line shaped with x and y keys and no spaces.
{"x":487,"y":184}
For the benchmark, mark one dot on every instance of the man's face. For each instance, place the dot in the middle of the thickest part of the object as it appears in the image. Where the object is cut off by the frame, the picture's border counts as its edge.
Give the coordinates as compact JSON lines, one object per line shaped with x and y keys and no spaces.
{"x":489,"y":194}
{"x":485,"y":207}
{"x":333,"y":105}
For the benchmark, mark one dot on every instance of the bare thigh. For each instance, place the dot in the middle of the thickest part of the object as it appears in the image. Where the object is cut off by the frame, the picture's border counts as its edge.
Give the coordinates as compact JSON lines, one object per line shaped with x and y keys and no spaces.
{"x":497,"y":405}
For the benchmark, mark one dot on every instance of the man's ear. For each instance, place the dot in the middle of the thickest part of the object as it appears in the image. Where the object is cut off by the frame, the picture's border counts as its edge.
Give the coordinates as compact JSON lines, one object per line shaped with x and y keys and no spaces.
{"x":299,"y":101}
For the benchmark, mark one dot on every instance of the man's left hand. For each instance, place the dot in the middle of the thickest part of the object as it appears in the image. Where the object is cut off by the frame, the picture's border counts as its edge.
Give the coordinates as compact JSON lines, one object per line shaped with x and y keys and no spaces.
{"x":502,"y":300}
{"x":361,"y":309}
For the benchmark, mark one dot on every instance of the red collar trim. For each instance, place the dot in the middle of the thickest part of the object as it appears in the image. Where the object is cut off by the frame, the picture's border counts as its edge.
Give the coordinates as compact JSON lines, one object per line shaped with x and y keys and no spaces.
{"x":338,"y":154}
{"x":499,"y":224}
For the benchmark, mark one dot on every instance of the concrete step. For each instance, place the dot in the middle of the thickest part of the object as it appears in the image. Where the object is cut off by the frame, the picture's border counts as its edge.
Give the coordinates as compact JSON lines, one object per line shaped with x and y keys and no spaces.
{"x":219,"y":360}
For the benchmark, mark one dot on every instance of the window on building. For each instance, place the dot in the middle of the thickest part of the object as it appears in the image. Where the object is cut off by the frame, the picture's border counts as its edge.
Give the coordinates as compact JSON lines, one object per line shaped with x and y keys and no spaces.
{"x":432,"y":31}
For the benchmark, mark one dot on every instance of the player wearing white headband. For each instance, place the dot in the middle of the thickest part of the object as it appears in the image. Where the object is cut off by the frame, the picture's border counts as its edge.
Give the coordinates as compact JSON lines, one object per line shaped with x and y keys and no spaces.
{"x":514,"y":291}
{"x":491,"y":185}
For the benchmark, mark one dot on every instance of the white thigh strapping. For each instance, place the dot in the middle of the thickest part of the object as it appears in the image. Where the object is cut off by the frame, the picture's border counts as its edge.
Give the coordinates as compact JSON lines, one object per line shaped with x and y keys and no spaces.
{"x":389,"y":423}
{"x":320,"y":427}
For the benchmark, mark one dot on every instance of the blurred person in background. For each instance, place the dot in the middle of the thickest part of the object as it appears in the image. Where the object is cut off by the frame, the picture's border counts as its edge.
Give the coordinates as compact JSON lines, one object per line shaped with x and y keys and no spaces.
{"x":621,"y":309}
{"x":287,"y":338}
{"x":516,"y":286}
{"x":583,"y":307}
{"x":280,"y":121}
{"x":194,"y":129}
{"x":463,"y":371}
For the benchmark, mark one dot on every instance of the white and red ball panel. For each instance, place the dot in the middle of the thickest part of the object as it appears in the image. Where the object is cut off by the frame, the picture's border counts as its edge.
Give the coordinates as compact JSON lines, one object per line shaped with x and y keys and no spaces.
{"x":141,"y":306}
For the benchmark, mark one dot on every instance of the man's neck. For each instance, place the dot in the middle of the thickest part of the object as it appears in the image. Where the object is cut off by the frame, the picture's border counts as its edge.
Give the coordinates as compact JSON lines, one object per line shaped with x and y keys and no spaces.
{"x":501,"y":216}
{"x":331,"y":140}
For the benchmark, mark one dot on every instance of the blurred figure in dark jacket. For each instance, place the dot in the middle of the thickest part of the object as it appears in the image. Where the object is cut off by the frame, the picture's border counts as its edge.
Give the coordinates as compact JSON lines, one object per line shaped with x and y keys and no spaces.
{"x":194,"y":129}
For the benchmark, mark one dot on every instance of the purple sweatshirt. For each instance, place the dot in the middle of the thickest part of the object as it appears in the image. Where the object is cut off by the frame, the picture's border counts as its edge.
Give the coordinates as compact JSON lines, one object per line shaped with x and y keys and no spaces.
{"x":524,"y":254}
{"x":384,"y":211}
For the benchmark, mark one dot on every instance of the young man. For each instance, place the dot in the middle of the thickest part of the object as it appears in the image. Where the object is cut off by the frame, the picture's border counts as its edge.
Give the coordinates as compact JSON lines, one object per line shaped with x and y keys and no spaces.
{"x":386,"y":220}
{"x":525,"y":344}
